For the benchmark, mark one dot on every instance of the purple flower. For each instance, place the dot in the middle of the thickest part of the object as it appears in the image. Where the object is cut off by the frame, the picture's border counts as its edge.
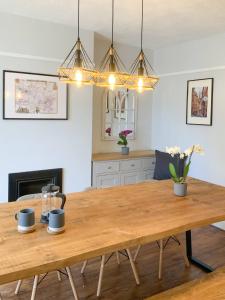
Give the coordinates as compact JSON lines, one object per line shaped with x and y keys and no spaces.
{"x":125,"y":132}
{"x":108,"y":130}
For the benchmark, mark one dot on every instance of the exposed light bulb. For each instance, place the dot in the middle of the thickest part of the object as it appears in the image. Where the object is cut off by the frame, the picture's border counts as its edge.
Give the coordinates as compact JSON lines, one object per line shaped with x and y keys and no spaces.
{"x":78,"y":76}
{"x":140,"y":82}
{"x":112,"y":79}
{"x":140,"y":85}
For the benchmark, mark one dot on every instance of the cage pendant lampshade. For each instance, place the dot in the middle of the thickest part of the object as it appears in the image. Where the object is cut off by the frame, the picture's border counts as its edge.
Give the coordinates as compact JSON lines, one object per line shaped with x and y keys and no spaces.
{"x":77,"y":66}
{"x":141,"y":75}
{"x":112,"y":71}
{"x":141,"y":72}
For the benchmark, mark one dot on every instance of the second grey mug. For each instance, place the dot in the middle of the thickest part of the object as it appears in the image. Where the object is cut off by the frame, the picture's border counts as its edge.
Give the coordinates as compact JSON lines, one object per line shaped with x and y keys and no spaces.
{"x":56,"y":221}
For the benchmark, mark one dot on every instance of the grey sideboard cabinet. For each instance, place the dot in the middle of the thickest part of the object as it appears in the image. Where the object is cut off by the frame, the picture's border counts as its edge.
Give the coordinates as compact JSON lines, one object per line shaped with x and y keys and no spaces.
{"x":112,"y":169}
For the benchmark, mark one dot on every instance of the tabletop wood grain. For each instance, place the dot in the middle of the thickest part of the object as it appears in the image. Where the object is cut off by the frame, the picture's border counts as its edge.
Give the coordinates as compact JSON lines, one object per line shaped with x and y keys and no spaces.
{"x":105,"y":220}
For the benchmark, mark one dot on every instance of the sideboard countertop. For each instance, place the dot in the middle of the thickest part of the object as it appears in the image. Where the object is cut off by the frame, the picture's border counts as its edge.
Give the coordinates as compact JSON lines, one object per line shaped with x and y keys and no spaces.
{"x":119,"y":156}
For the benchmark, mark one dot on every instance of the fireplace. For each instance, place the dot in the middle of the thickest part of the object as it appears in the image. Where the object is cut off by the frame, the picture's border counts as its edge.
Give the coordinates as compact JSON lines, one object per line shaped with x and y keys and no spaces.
{"x":24,"y":183}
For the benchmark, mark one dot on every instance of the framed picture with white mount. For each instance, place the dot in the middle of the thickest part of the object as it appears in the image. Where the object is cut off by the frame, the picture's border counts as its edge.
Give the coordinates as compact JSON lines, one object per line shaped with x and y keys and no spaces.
{"x":199,"y":107}
{"x":34,"y":96}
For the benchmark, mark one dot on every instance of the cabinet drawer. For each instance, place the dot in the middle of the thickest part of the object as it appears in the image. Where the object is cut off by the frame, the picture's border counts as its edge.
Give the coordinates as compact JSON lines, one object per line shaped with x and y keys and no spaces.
{"x":130,"y":165}
{"x":148,"y":163}
{"x":106,"y":167}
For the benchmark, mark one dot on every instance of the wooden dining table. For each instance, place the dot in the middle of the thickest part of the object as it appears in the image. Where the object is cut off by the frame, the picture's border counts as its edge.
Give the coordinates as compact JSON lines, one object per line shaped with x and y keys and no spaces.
{"x":106,"y":220}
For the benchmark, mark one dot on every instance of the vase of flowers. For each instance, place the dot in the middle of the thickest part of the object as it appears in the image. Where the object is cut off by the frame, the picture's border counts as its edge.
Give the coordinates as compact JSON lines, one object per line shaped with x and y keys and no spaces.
{"x":123,"y":141}
{"x":184,"y":157}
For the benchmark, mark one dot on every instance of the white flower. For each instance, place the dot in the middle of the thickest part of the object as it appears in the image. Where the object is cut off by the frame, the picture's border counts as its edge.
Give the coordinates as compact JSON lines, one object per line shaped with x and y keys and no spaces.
{"x":182,"y":155}
{"x":173,"y":150}
{"x":198,"y":149}
{"x":188,"y":151}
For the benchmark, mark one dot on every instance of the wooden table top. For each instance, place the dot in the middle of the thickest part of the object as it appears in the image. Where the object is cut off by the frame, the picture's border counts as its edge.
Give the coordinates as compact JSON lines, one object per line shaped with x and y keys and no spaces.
{"x":102,"y":221}
{"x":119,"y":156}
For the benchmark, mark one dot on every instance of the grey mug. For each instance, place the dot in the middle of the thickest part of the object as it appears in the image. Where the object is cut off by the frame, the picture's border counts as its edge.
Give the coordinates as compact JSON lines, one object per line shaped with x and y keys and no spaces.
{"x":25,"y":220}
{"x":56,"y":221}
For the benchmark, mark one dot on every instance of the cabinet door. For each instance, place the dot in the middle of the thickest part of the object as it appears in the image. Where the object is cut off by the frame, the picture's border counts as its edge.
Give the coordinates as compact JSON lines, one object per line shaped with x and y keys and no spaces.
{"x":103,"y":181}
{"x":129,"y":178}
{"x":148,"y":163}
{"x":147,"y":175}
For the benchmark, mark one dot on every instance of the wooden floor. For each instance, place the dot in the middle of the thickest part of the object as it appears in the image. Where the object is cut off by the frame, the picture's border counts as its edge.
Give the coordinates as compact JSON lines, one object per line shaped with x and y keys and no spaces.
{"x":118,"y":281}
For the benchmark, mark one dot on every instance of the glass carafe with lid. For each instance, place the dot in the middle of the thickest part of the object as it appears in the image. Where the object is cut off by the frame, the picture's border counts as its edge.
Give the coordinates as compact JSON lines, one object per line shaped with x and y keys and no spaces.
{"x":51,"y":199}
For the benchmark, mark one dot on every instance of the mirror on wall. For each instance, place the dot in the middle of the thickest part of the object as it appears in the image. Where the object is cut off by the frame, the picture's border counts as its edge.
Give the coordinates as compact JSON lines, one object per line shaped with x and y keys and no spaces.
{"x":119,"y":113}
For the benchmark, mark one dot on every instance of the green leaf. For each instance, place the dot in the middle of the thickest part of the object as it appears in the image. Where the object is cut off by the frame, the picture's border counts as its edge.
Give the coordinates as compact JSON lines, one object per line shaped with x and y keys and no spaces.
{"x":173,"y":171}
{"x":186,"y":170}
{"x":120,"y":142}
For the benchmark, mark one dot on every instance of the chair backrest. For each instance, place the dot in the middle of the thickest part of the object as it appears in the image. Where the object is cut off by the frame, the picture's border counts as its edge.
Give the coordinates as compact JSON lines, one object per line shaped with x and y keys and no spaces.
{"x":29,"y":197}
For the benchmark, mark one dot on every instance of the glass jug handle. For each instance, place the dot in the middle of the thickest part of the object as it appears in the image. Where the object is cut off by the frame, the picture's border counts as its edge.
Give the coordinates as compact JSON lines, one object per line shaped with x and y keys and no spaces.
{"x":63,"y":197}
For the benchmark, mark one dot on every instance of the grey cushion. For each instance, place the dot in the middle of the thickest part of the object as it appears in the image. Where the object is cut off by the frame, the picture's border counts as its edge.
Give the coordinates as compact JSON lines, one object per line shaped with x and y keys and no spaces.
{"x":162,"y":165}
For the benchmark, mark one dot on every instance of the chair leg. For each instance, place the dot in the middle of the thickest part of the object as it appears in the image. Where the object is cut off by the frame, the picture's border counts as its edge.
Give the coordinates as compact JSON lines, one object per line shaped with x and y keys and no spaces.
{"x":133,"y":267}
{"x":160,"y":258}
{"x":72,"y":283}
{"x":84,"y":266}
{"x":100,"y":276}
{"x":183,"y":252}
{"x":136,"y":253}
{"x":118,"y":257}
{"x":18,"y":287}
{"x":59,"y":276}
{"x":34,"y":289}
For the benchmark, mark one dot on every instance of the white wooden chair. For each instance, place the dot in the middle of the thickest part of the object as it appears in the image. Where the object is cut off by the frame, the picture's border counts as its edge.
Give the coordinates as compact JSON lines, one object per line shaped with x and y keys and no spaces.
{"x":162,"y":245}
{"x":102,"y":265}
{"x":36,"y":277}
{"x":104,"y":261}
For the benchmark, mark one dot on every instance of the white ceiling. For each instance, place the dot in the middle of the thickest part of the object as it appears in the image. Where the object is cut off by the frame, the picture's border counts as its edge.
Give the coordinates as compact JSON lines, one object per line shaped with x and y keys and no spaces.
{"x":165,"y":21}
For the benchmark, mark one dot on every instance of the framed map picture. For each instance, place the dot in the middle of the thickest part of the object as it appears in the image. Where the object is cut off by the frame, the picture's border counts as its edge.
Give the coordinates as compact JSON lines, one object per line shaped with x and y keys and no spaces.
{"x":31,"y":96}
{"x":199,"y":102}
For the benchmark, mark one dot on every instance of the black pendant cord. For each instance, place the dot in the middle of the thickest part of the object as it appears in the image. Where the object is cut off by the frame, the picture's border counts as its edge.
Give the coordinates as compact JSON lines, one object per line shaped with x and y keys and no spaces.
{"x":142,"y":17}
{"x":78,"y":19}
{"x":112,"y":22}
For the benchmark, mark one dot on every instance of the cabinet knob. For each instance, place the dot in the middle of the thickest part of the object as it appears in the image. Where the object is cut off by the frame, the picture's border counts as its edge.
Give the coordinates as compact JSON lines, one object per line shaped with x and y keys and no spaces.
{"x":132,"y":165}
{"x":109,"y":167}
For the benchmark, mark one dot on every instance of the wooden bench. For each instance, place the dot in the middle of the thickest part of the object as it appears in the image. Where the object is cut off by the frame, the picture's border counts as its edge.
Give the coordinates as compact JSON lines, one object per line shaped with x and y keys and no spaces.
{"x":209,"y":287}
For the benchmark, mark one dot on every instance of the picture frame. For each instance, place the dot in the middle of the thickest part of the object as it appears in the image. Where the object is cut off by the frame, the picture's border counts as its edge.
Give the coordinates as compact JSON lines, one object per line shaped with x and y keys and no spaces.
{"x":34,"y":96}
{"x":199,"y":106}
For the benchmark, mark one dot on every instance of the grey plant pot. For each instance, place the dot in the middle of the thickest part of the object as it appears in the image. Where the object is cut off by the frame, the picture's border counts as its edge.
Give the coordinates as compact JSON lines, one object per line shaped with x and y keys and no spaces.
{"x":125,"y":150}
{"x":180,"y":189}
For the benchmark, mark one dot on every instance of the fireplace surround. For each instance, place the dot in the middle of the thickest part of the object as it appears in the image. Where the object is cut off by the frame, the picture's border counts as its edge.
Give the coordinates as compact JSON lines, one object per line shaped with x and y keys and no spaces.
{"x":24,"y":183}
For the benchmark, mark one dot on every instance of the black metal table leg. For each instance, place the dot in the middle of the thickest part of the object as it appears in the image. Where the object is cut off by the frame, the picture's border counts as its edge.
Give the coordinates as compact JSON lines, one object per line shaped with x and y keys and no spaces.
{"x":195,"y":261}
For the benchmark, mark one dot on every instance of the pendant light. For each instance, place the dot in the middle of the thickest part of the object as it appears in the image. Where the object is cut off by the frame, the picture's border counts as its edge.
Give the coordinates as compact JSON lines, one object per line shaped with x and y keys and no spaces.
{"x":141,"y":71}
{"x":77,"y":66}
{"x":111,"y":72}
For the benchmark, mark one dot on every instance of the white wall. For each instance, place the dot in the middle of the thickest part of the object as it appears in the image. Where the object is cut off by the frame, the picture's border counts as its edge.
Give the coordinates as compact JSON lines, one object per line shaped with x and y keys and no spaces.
{"x":143,"y":138}
{"x":34,"y":145}
{"x":193,"y":60}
